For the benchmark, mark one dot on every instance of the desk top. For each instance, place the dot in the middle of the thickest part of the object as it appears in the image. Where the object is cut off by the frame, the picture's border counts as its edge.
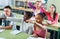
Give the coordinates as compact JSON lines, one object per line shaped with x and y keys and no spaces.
{"x":24,"y":9}
{"x":7,"y":35}
{"x":54,"y":27}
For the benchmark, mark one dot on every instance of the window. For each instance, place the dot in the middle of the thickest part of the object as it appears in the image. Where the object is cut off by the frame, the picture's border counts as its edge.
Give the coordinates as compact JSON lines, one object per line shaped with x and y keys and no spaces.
{"x":5,"y":3}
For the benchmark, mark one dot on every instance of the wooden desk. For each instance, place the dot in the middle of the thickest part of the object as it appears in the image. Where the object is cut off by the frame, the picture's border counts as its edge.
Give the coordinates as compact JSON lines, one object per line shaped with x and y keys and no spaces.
{"x":22,"y":8}
{"x":7,"y":35}
{"x":55,"y":28}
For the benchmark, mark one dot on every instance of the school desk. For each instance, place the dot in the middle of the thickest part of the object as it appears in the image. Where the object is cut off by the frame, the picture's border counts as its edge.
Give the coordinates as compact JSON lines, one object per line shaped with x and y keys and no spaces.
{"x":56,"y":28}
{"x":7,"y":35}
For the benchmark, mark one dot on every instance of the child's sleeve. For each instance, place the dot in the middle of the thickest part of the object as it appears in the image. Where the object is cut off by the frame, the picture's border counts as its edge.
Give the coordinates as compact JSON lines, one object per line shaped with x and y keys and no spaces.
{"x":31,"y":5}
{"x":44,"y":10}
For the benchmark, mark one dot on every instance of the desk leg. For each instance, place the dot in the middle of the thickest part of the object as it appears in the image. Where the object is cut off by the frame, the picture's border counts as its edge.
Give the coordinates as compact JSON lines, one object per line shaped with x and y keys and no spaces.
{"x":58,"y":37}
{"x":51,"y":33}
{"x":54,"y":35}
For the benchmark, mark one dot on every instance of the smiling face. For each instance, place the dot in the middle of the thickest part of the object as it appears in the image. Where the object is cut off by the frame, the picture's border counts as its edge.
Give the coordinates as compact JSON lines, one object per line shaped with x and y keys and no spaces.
{"x":39,"y":18}
{"x":27,"y":15}
{"x":38,"y":4}
{"x":7,"y":11}
{"x":52,"y":9}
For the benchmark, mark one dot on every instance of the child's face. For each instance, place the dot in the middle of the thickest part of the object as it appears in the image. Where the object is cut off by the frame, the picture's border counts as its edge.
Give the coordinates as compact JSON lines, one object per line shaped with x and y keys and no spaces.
{"x":38,"y":4}
{"x":52,"y":9}
{"x":7,"y":11}
{"x":25,"y":17}
{"x":39,"y":18}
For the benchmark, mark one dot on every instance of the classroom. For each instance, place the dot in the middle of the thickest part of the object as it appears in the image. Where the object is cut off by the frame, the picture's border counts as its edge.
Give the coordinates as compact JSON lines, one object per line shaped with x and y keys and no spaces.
{"x":29,"y":19}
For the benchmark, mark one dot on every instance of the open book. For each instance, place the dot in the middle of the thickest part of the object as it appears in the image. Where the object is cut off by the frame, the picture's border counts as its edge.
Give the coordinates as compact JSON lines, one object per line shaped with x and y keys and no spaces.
{"x":15,"y":32}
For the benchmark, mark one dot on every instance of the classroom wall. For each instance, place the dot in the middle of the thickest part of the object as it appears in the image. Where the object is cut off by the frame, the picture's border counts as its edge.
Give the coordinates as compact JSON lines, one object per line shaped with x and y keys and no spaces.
{"x":56,"y":2}
{"x":6,"y":2}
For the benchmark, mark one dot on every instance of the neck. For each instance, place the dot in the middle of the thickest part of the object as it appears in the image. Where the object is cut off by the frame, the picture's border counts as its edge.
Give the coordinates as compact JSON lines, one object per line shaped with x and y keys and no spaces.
{"x":38,"y":8}
{"x":52,"y":13}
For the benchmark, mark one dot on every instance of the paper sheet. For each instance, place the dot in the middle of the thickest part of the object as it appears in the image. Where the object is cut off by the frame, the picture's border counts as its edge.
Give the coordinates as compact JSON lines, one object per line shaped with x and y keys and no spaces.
{"x":2,"y":38}
{"x":15,"y":32}
{"x":1,"y":30}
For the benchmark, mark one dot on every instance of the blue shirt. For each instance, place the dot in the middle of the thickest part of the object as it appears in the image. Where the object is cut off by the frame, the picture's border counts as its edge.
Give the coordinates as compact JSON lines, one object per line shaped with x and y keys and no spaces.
{"x":7,"y":22}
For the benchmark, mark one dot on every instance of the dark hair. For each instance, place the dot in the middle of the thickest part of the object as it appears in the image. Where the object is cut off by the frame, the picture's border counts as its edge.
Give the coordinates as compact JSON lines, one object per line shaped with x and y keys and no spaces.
{"x":41,"y":17}
{"x":27,"y":15}
{"x":54,"y":11}
{"x":38,"y":1}
{"x":7,"y":7}
{"x":41,"y":14}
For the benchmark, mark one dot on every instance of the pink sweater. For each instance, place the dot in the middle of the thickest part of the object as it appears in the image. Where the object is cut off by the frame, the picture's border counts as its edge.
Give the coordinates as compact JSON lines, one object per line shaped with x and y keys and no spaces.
{"x":47,"y":14}
{"x":50,"y":18}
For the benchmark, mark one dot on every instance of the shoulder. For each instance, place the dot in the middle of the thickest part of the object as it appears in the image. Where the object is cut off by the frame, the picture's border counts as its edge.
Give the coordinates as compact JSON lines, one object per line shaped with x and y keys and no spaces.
{"x":3,"y":15}
{"x":57,"y":14}
{"x":13,"y":14}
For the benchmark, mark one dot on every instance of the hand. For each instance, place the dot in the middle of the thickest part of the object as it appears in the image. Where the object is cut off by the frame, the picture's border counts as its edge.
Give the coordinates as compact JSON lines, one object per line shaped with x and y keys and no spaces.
{"x":31,"y":21}
{"x":27,"y":20}
{"x":49,"y":22}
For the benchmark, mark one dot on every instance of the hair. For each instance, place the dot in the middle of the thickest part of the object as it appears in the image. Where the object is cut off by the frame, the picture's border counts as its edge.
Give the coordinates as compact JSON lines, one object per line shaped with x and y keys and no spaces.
{"x":41,"y":15}
{"x":54,"y":11}
{"x":28,"y":15}
{"x":7,"y":7}
{"x":38,"y":1}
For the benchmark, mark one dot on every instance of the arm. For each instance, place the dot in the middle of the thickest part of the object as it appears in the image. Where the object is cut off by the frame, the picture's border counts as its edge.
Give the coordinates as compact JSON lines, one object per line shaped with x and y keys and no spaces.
{"x":7,"y":27}
{"x":44,"y":10}
{"x":34,"y":22}
{"x":43,"y":27}
{"x":30,"y":21}
{"x":31,"y":5}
